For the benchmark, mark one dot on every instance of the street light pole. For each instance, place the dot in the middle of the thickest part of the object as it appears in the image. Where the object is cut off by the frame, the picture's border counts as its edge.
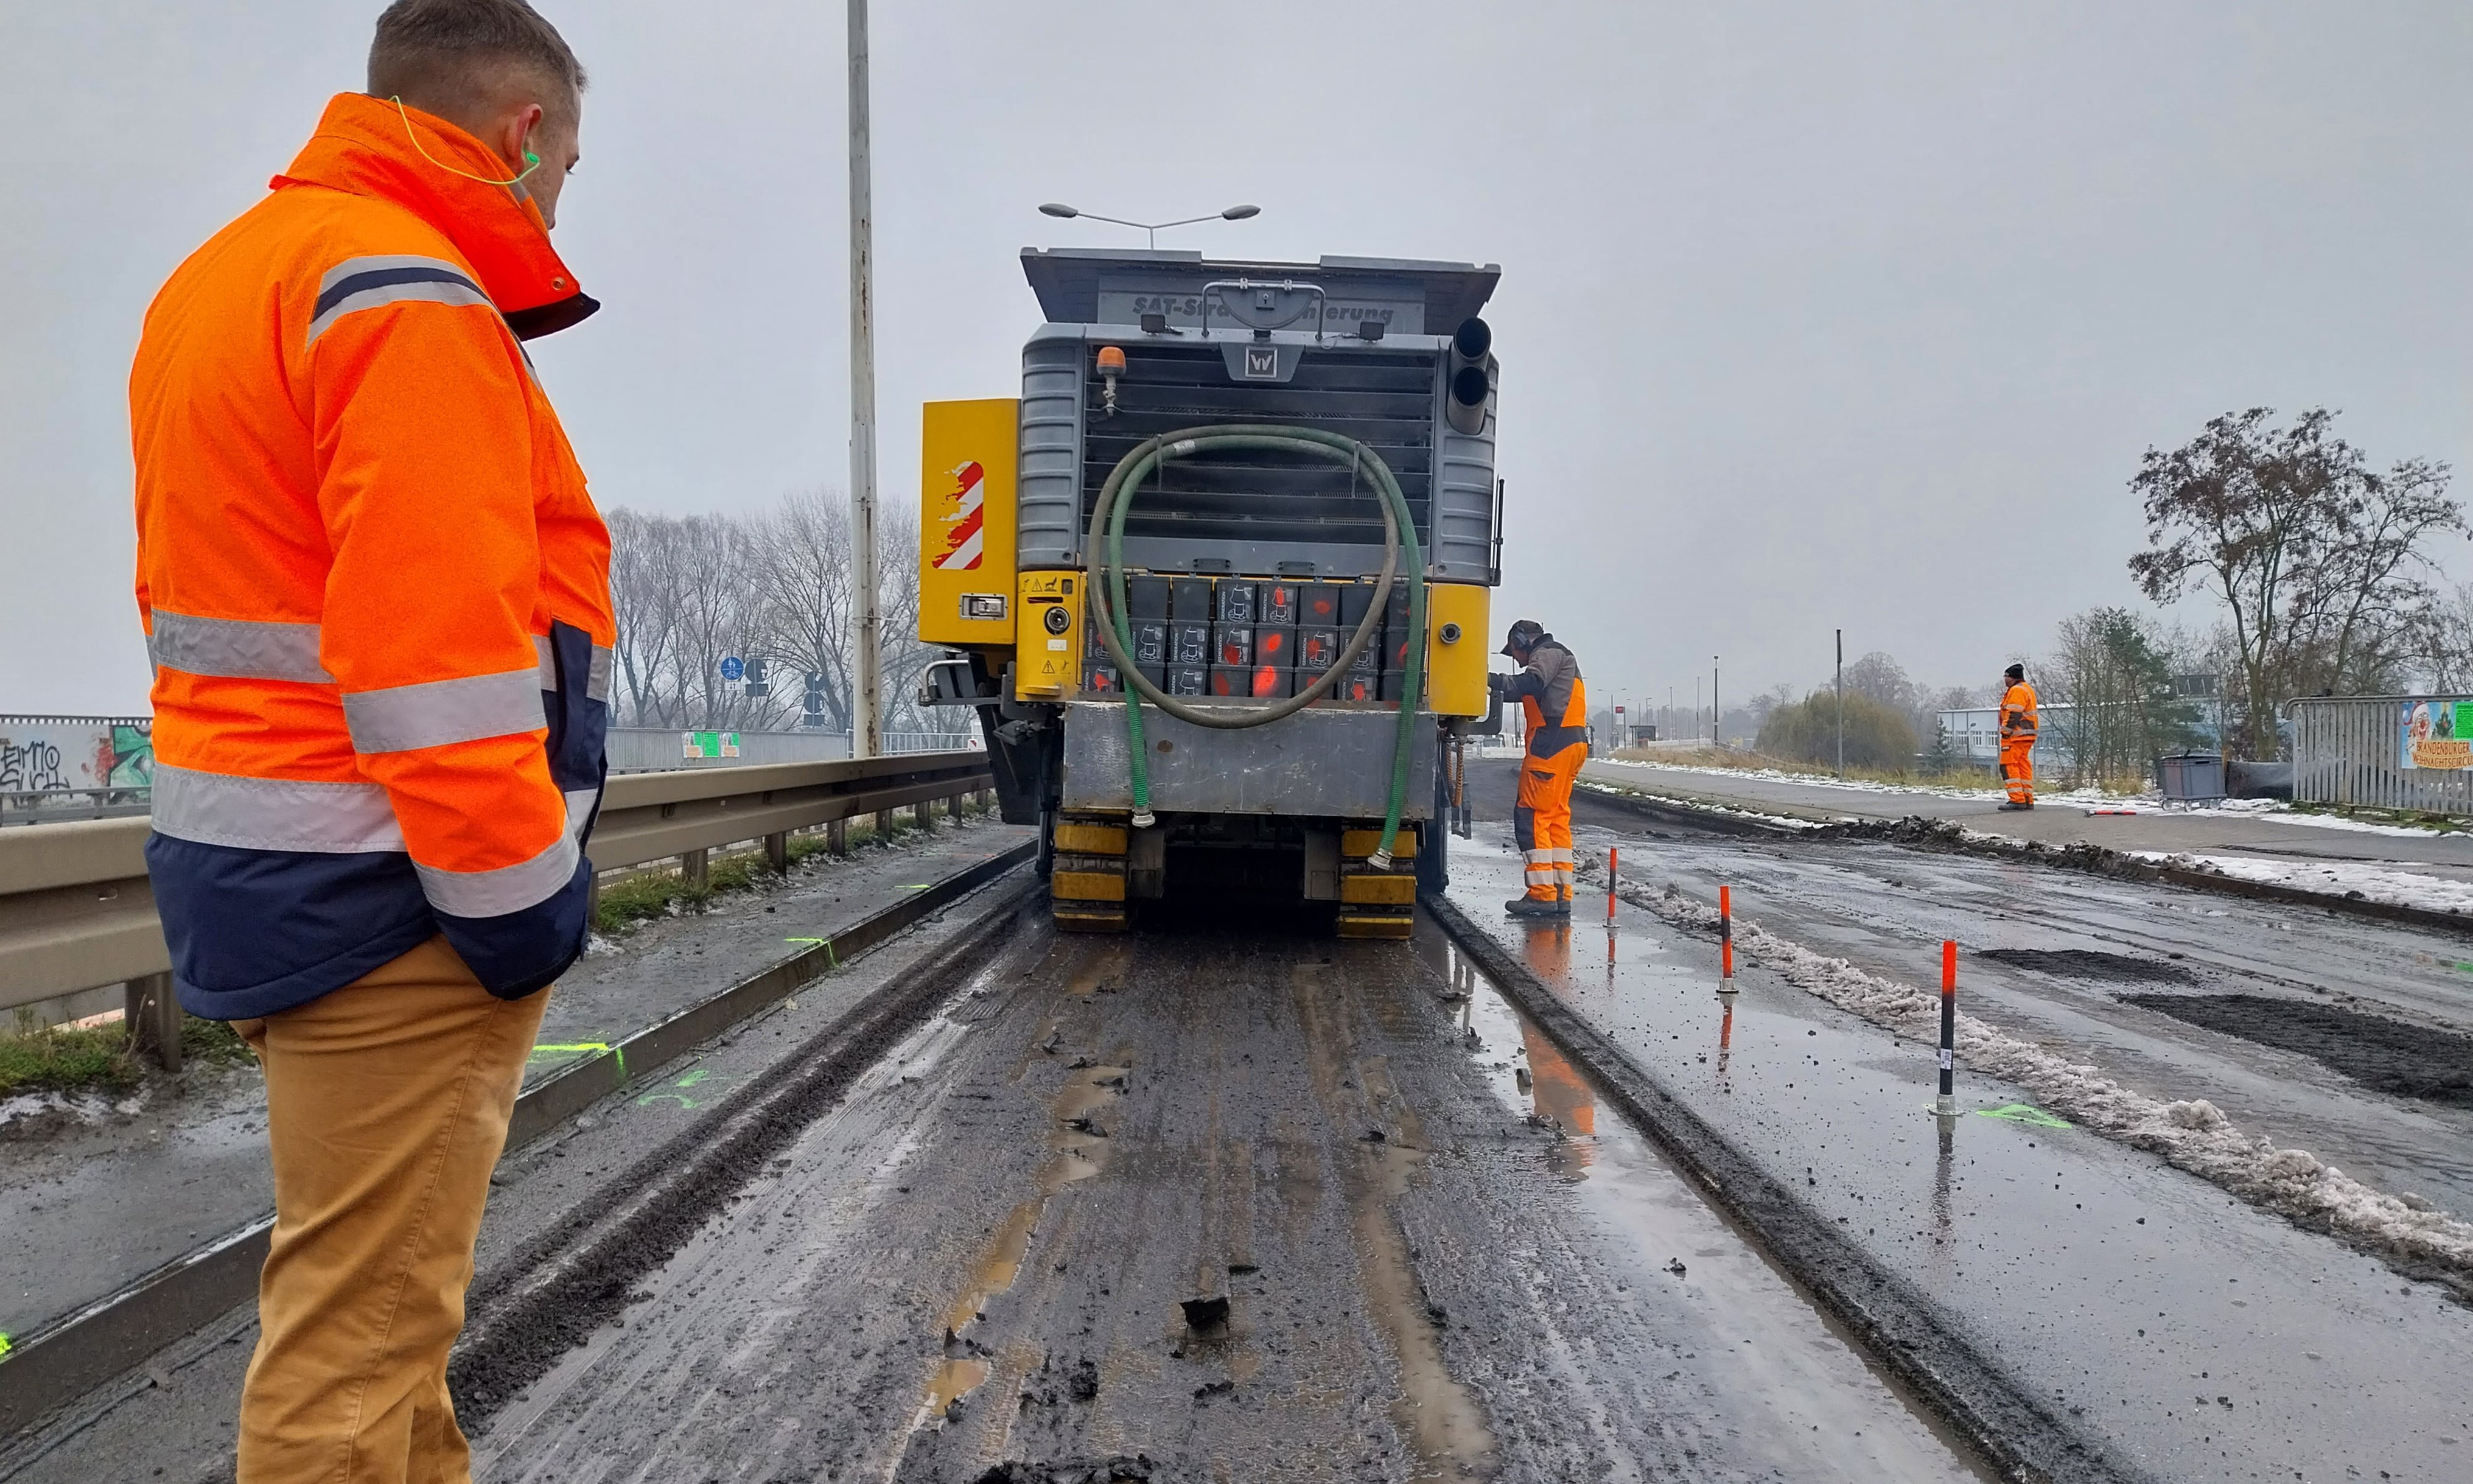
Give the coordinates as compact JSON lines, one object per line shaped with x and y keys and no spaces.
{"x":1714,"y":709}
{"x":1842,"y":703}
{"x":866,"y":721}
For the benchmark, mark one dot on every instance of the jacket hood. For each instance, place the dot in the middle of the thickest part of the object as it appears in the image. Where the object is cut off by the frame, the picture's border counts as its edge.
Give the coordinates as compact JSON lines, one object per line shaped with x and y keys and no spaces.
{"x":363,"y":145}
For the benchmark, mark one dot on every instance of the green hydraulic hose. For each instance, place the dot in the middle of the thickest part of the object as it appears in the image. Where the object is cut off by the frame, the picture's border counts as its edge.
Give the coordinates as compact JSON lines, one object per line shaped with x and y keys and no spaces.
{"x":1105,"y":573}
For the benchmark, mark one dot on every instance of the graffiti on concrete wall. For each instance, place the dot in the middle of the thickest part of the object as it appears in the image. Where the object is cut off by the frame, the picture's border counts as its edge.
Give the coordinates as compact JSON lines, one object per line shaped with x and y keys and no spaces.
{"x":42,"y":755}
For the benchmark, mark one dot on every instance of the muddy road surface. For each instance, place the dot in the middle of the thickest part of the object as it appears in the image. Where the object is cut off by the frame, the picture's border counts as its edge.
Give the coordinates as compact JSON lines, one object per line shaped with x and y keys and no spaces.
{"x":1215,"y":1203}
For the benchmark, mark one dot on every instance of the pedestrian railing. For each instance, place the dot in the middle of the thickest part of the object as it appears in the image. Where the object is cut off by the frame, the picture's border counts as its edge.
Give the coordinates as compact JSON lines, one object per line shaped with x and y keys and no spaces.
{"x":76,"y":912}
{"x":2385,"y":751}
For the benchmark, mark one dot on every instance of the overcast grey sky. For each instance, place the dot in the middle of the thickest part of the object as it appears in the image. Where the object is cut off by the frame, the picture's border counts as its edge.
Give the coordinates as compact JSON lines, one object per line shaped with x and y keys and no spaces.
{"x":1812,"y":315}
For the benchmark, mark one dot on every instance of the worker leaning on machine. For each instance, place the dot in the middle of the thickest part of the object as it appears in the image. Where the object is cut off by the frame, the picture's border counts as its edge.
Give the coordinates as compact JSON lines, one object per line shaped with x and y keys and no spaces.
{"x":2018,"y":738}
{"x":1556,"y":705}
{"x":378,"y":600}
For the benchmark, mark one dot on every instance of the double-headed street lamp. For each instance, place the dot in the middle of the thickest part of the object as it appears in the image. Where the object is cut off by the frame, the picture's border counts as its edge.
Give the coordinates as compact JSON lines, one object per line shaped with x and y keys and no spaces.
{"x":1232,"y":214}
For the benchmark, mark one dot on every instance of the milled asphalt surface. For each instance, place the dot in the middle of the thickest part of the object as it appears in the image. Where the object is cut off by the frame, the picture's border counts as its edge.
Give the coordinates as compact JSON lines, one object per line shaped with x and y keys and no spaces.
{"x":980,"y":1261}
{"x":2132,"y":1295}
{"x":2054,"y":822}
{"x":96,"y":1202}
{"x":1436,"y":1267}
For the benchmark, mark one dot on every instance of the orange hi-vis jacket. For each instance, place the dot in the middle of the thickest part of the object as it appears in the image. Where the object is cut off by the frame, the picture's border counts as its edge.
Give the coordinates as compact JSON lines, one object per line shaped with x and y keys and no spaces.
{"x":1554,"y":700}
{"x":376,"y":592}
{"x":2018,"y":714}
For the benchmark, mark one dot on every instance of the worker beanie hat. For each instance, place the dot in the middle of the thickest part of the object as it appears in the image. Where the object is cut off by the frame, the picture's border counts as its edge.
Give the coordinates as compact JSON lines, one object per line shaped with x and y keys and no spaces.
{"x":1523,"y":634}
{"x":2016,"y":672}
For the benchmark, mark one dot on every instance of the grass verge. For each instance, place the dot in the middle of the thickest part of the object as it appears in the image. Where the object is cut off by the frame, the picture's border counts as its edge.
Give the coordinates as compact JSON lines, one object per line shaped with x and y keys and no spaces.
{"x":97,"y":1059}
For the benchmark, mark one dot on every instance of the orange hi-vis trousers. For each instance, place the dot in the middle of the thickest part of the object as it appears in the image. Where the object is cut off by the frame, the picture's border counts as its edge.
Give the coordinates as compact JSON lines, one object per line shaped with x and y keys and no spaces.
{"x":1541,"y":820}
{"x":2018,"y":768}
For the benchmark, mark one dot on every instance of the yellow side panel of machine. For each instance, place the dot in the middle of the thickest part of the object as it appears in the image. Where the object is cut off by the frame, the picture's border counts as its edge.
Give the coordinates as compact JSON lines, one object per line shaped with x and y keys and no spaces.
{"x":968,"y":458}
{"x":1047,"y":662}
{"x":1457,"y":640}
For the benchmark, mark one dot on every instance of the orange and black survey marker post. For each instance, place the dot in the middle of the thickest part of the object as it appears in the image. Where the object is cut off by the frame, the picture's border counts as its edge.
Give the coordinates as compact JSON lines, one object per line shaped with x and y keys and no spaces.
{"x":1947,"y":1104}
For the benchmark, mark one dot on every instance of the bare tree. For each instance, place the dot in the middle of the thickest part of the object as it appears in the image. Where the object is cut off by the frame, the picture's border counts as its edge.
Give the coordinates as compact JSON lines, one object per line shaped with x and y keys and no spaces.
{"x":801,"y":588}
{"x":640,"y":571}
{"x":2316,"y":559}
{"x":2116,"y":673}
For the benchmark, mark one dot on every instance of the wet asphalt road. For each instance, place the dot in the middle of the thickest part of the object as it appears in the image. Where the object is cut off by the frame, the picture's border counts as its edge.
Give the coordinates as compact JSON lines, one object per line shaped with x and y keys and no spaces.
{"x":93,"y":1204}
{"x":2185,"y":1332}
{"x":1441,"y":1256}
{"x":981,"y":1259}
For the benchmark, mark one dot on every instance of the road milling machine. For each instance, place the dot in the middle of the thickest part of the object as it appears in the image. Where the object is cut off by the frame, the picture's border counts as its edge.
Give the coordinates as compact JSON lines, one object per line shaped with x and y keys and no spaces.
{"x":1216,"y":582}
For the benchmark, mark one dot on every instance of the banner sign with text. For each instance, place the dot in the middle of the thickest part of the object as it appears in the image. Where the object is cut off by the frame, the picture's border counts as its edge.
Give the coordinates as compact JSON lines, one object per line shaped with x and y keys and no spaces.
{"x":2433,"y":732}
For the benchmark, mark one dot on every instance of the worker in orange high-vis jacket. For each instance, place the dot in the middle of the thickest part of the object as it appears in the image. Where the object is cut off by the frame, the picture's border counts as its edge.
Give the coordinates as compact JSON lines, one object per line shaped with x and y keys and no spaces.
{"x":377,"y":596}
{"x":1555,"y":706}
{"x":2018,"y":738}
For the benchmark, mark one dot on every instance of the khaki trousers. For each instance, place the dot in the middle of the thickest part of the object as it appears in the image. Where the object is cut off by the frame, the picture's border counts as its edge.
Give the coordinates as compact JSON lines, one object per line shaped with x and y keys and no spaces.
{"x":387,"y":1107}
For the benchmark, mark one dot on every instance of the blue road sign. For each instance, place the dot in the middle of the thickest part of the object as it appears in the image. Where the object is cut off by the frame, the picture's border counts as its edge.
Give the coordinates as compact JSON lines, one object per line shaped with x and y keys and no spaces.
{"x":733,"y":667}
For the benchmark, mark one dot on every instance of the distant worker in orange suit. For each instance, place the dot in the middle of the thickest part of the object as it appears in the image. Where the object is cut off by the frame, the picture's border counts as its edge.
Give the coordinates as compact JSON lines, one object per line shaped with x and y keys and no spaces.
{"x":1556,"y":705}
{"x":2018,"y":739}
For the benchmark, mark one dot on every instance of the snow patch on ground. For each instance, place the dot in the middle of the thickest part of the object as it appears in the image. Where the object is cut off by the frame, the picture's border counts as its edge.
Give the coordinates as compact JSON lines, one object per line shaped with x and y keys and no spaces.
{"x":2091,"y":796}
{"x":2194,"y":1135}
{"x":2282,"y":813}
{"x":50,"y":1109}
{"x":2336,"y":878}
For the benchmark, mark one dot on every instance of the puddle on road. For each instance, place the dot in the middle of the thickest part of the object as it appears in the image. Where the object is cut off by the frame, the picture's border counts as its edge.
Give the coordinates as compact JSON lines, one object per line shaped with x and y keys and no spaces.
{"x":1767,"y":1341}
{"x":1101,"y":967}
{"x":1441,"y":1422}
{"x":1077,"y":1151}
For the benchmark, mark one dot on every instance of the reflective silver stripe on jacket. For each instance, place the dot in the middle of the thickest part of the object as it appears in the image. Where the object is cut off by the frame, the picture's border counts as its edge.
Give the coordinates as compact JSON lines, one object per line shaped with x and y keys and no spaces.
{"x":579,"y":809}
{"x":437,"y":712}
{"x":389,"y":278}
{"x":273,"y":814}
{"x":491,"y":894}
{"x":243,"y":649}
{"x":596,"y":682}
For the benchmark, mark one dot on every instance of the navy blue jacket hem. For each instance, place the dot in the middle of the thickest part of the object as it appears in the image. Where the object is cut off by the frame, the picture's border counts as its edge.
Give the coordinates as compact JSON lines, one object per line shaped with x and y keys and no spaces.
{"x":303,"y":986}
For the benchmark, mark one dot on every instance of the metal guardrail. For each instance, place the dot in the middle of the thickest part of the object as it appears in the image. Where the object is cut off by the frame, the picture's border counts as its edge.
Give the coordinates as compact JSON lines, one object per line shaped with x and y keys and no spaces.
{"x":2349,"y":749}
{"x":77,"y":910}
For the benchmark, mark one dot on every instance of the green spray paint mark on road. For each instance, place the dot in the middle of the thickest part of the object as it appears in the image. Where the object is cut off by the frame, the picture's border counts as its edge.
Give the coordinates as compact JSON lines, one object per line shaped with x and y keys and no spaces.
{"x":682,"y":1099}
{"x":831,"y":957}
{"x":2023,"y":1113}
{"x":4,"y":1344}
{"x":916,"y":886}
{"x":584,"y":1049}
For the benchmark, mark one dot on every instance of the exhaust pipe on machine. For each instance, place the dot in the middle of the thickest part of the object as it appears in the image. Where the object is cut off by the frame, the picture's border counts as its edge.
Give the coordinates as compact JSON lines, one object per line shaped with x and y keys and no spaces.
{"x":1472,"y":376}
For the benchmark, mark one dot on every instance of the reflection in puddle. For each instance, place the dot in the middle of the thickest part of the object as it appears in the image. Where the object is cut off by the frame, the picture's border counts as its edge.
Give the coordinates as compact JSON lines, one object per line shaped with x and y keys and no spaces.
{"x":1757,"y":1336}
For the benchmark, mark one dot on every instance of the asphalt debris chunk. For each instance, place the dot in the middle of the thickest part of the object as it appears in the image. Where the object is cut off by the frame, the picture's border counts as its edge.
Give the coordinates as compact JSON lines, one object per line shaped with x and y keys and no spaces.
{"x":1208,"y":1313}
